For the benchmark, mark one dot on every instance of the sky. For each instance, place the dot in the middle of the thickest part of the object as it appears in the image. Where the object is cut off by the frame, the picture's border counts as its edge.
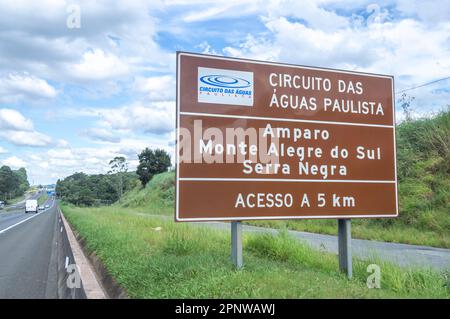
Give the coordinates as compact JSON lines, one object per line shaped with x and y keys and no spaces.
{"x":84,"y":81}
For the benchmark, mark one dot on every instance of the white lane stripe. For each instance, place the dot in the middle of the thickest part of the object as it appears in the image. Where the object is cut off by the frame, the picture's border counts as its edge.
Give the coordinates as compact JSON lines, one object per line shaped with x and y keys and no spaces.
{"x":284,"y":180}
{"x":24,"y":220}
{"x":262,"y":118}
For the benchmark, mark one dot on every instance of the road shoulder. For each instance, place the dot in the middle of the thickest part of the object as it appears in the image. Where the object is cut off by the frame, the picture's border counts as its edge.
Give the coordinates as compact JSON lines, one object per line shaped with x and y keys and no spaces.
{"x":91,"y":284}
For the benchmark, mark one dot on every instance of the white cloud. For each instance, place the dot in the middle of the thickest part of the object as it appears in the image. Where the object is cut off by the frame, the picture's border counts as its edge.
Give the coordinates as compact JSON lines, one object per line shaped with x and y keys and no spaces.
{"x":154,"y":117}
{"x":18,"y":86}
{"x":18,"y":130}
{"x":412,"y":51}
{"x":60,"y":153}
{"x":62,"y":143}
{"x":115,"y":38}
{"x":220,"y":9}
{"x":12,"y":120}
{"x":3,"y":151}
{"x":428,"y":11}
{"x":14,"y":162}
{"x":102,"y":135}
{"x":157,"y":118}
{"x":26,"y":138}
{"x":99,"y":65}
{"x":44,"y":165}
{"x":310,"y":11}
{"x":157,"y":88}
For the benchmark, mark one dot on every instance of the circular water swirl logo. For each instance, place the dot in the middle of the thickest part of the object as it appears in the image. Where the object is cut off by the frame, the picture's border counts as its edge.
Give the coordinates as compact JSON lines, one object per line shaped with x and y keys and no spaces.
{"x":225,"y":81}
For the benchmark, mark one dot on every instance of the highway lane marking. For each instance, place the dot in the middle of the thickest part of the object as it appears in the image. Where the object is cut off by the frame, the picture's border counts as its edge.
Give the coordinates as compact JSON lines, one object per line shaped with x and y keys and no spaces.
{"x":24,"y":220}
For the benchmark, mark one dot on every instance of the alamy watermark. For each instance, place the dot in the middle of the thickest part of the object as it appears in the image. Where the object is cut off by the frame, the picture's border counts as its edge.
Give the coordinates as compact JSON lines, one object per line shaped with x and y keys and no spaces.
{"x":374,"y":279}
{"x":74,"y":278}
{"x":229,"y":145}
{"x":73,"y":20}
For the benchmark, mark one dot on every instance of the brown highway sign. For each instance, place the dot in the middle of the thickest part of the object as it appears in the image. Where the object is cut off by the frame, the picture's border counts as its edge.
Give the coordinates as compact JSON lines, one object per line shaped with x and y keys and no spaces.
{"x":263,"y":140}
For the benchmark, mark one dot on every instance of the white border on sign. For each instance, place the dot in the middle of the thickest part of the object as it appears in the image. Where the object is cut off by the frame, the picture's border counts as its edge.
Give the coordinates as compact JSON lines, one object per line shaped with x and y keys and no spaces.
{"x":177,"y":217}
{"x":281,"y":119}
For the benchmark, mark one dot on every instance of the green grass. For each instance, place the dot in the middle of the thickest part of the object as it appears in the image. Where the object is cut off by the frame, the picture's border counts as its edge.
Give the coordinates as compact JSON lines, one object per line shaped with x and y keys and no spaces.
{"x":16,"y":200}
{"x":369,"y":229}
{"x":431,"y":227}
{"x":20,"y":198}
{"x":158,"y":196}
{"x":42,"y":199}
{"x":154,"y":257}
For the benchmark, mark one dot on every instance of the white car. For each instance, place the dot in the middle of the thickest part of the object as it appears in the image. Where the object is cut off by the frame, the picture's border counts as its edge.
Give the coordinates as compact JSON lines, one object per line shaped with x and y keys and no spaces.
{"x":31,"y":206}
{"x":41,"y":207}
{"x":47,"y":206}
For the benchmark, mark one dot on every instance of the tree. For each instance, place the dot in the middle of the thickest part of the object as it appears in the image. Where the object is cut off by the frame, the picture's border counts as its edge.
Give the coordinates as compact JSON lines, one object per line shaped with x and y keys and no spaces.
{"x":23,"y":180}
{"x":118,"y":166}
{"x":9,"y":183}
{"x":405,"y":104}
{"x":152,"y":162}
{"x":87,"y":190}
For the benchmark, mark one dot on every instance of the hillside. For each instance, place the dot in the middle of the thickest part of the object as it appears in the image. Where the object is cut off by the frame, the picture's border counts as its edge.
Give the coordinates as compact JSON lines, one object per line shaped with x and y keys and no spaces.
{"x":157,"y":197}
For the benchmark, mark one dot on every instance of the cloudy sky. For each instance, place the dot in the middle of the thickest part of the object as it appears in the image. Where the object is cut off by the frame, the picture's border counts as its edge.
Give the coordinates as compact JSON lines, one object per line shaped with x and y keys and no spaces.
{"x":73,"y":98}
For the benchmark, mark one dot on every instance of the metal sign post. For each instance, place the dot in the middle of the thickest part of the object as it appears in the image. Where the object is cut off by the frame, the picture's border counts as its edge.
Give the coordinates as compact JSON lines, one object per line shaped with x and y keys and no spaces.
{"x":345,"y":247}
{"x":236,"y":243}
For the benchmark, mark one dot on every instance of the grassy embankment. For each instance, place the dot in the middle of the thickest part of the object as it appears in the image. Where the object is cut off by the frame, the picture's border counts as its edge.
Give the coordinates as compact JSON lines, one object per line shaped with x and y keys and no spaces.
{"x":42,"y":199}
{"x":151,"y":256}
{"x":16,"y":199}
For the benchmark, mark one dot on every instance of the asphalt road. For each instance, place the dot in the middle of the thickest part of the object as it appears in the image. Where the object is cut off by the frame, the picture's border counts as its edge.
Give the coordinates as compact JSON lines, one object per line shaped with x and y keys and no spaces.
{"x":13,"y":214}
{"x":409,"y":256}
{"x":28,"y":265}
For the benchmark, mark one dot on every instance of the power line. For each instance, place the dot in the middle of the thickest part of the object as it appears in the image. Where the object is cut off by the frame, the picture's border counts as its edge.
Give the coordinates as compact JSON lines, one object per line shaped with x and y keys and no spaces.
{"x":422,"y":85}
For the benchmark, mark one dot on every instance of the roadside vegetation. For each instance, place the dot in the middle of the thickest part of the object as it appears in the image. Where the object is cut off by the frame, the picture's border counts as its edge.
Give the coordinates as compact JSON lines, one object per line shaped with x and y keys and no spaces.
{"x":151,"y":256}
{"x":105,"y":189}
{"x":89,"y":190}
{"x":42,"y":199}
{"x":13,"y":184}
{"x":157,"y":197}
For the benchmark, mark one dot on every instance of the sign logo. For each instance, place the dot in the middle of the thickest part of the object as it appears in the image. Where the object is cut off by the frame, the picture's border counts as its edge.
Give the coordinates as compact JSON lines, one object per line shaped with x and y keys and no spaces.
{"x":221,"y":86}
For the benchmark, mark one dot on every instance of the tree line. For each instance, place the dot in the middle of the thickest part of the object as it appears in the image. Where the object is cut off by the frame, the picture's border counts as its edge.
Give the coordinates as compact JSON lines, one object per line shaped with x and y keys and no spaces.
{"x":100,"y":189}
{"x":13,"y":183}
